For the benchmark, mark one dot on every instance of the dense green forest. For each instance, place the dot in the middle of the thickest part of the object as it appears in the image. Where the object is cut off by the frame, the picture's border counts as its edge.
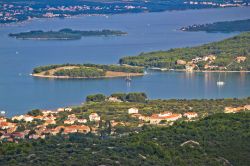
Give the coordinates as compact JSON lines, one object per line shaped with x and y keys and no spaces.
{"x":81,"y":72}
{"x":84,"y":70}
{"x":226,"y":51}
{"x":64,"y":34}
{"x":220,"y":139}
{"x":104,"y":67}
{"x":224,"y":26}
{"x":138,"y":97}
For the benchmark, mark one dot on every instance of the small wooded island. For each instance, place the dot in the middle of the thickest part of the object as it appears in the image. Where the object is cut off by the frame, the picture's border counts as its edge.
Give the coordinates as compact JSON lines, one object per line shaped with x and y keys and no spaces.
{"x":224,"y":26}
{"x":64,"y":34}
{"x":86,"y":71}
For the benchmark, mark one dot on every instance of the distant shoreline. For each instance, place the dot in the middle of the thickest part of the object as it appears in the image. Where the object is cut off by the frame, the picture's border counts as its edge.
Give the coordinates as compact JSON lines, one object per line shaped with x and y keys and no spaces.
{"x":199,"y":71}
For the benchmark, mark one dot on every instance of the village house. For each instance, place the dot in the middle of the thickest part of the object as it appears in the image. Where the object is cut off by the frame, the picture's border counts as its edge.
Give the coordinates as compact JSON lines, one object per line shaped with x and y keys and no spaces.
{"x":49,"y":117}
{"x":2,"y":119}
{"x":76,"y":128}
{"x":197,"y":60}
{"x":190,"y":115}
{"x":83,"y":129}
{"x":94,"y":117}
{"x":38,"y":117}
{"x":190,"y":67}
{"x":18,"y":118}
{"x":181,"y":62}
{"x":114,"y":99}
{"x":156,"y":119}
{"x":49,"y":122}
{"x":68,"y":109}
{"x":69,"y":121}
{"x":209,"y":58}
{"x":54,"y":131}
{"x":133,"y":111}
{"x":247,"y":107}
{"x":60,"y":109}
{"x":164,"y":114}
{"x":82,"y":120}
{"x":240,"y":59}
{"x":210,"y":67}
{"x":47,"y":112}
{"x":173,"y":117}
{"x":233,"y":109}
{"x":26,"y":118}
{"x":7,"y":125}
{"x":36,"y":136}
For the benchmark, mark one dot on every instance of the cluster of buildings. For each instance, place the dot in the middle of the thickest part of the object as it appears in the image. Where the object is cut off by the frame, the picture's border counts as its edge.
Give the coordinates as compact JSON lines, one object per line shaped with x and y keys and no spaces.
{"x":236,"y":109}
{"x":13,"y":12}
{"x":13,"y":130}
{"x":161,"y":117}
{"x":191,"y":65}
{"x":235,"y":3}
{"x":51,"y":123}
{"x":209,"y":59}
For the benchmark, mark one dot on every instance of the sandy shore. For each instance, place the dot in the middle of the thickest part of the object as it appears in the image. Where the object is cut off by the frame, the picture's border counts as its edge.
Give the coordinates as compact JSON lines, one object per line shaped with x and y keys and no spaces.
{"x":109,"y":74}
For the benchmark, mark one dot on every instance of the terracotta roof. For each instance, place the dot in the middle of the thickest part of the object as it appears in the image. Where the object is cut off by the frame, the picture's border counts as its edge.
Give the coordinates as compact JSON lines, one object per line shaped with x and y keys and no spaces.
{"x":190,"y":113}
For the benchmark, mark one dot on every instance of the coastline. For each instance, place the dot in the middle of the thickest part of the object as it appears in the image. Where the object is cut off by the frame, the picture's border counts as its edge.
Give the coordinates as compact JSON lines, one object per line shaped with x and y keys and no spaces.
{"x":109,"y":75}
{"x":199,"y":71}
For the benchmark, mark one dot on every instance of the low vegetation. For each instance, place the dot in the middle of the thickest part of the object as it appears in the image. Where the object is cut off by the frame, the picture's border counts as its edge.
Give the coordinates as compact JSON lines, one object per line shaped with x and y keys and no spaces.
{"x":139,"y":97}
{"x":86,"y":71}
{"x":64,"y":34}
{"x":224,"y":26}
{"x":80,"y":72}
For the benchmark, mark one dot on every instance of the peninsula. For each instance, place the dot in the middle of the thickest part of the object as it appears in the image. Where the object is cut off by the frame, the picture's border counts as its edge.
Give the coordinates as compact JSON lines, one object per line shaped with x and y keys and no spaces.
{"x":64,"y":34}
{"x":224,"y":27}
{"x":231,"y":54}
{"x":66,"y":71}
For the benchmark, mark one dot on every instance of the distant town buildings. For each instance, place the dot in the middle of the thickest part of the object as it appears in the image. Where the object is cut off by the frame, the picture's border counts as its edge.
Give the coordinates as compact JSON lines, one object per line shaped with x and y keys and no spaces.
{"x":94,"y":117}
{"x":133,"y":111}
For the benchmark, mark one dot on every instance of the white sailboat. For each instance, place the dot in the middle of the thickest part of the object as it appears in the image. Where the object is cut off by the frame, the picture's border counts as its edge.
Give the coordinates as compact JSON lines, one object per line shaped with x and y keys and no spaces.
{"x":219,"y":82}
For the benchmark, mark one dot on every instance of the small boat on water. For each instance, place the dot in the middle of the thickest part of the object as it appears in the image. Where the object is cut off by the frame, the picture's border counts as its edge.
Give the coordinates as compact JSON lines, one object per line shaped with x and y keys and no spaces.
{"x":219,"y":82}
{"x":128,"y":78}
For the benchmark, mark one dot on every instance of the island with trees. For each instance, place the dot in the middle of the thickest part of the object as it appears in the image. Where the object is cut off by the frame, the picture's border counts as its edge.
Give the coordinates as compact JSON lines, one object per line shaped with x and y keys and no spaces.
{"x":129,"y":129}
{"x":223,"y":26}
{"x":231,"y":54}
{"x":86,"y":71}
{"x":64,"y":34}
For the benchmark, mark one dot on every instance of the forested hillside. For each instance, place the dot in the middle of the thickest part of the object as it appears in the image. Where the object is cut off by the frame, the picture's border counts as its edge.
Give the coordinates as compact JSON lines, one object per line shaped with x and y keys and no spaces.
{"x":225,"y":52}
